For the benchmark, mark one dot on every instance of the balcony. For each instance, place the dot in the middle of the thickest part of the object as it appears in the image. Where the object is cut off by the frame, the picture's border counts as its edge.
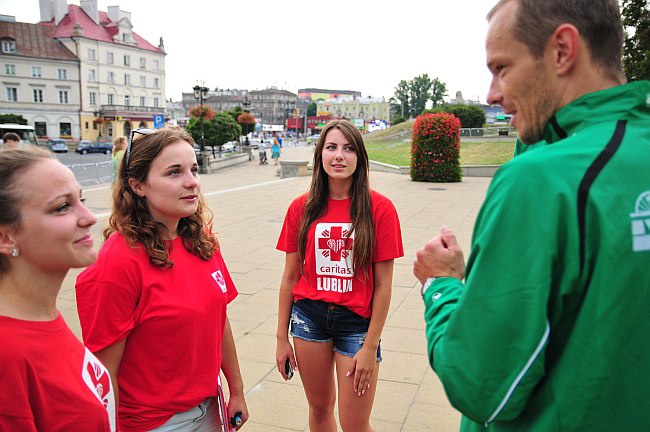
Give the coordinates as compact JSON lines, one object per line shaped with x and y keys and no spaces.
{"x":111,"y":110}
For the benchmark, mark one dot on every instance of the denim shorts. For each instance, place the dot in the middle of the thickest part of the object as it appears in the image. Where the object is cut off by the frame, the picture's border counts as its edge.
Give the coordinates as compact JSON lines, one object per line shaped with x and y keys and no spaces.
{"x":318,"y":321}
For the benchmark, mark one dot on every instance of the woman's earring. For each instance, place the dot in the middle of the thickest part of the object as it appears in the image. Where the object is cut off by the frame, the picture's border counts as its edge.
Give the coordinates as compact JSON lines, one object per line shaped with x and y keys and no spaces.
{"x":15,"y":252}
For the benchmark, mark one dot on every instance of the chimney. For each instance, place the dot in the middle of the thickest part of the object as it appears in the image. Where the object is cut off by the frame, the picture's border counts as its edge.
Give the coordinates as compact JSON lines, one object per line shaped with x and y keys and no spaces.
{"x":60,"y":10}
{"x":90,"y":7}
{"x":46,"y":10}
{"x":115,"y":14}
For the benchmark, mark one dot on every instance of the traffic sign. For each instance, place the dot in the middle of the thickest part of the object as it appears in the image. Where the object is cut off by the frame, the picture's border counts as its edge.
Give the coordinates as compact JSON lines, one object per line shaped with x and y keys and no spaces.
{"x":158,"y":121}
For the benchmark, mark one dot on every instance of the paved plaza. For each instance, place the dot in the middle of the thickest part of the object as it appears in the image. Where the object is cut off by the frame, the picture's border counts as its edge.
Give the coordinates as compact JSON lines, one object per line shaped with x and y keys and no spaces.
{"x":249,"y":202}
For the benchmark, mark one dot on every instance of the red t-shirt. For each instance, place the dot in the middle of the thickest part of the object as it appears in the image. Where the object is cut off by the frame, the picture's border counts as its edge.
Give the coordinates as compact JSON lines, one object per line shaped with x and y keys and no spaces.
{"x":49,"y":381}
{"x":327,"y":271}
{"x":173,"y":320}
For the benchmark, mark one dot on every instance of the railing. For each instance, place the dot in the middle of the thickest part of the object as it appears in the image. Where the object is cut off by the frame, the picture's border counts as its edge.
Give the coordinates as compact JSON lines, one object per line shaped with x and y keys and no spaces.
{"x":89,"y":173}
{"x":112,"y":109}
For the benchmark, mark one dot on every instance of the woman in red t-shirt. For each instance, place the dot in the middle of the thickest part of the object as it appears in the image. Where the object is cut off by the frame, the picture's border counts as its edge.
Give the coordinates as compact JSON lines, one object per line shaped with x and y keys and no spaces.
{"x":340,"y":239}
{"x":48,"y":380}
{"x":153,"y":306}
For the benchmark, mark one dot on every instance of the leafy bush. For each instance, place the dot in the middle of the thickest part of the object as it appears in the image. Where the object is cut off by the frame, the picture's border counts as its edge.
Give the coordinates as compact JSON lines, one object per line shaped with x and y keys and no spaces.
{"x":435,"y":148}
{"x":398,"y":120}
{"x":470,"y":116}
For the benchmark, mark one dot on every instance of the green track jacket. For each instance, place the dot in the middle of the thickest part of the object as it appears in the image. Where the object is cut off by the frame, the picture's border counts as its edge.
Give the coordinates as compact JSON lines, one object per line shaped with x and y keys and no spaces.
{"x":551,"y":329}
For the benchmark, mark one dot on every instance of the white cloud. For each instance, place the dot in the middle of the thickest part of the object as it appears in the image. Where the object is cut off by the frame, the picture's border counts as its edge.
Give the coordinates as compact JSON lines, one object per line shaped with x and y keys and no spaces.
{"x":346,"y":45}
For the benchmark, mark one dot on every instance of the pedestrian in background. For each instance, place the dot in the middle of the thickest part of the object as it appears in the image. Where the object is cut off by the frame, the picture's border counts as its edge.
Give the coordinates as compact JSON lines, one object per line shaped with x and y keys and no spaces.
{"x":340,"y":239}
{"x":550,"y":329}
{"x":48,"y":380}
{"x":153,"y":306}
{"x":275,"y":152}
{"x":11,"y":141}
{"x":119,"y":146}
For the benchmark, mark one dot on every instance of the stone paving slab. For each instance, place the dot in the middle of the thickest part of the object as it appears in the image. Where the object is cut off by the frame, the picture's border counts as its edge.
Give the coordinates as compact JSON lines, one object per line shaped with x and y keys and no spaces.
{"x":249,"y":202}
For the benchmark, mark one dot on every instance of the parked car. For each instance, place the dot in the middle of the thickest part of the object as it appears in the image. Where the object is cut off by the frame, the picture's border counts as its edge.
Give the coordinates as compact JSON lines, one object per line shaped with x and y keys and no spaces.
{"x":85,"y":147}
{"x":228,"y":147}
{"x":313,"y":139}
{"x":57,"y":145}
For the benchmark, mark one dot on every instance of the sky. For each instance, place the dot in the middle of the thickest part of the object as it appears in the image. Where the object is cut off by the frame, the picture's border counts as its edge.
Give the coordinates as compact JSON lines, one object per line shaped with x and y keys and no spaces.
{"x":367,"y":46}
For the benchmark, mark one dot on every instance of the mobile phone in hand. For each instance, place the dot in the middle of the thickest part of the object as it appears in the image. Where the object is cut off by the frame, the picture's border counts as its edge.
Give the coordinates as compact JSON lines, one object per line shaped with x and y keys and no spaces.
{"x":288,"y":370}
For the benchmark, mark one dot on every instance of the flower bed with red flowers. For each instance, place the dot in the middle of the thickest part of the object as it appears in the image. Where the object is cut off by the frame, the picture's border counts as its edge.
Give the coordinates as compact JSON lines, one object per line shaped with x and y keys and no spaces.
{"x":435,"y":149}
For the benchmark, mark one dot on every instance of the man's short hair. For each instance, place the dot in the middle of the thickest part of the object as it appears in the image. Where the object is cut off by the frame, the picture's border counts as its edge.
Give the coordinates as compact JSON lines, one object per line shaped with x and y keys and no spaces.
{"x":11,"y":136}
{"x":598,"y":21}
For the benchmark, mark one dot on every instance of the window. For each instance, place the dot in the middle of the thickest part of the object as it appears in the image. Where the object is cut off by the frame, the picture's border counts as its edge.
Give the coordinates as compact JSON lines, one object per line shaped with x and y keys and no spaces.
{"x":40,"y":128}
{"x":92,"y":75}
{"x":109,"y":57}
{"x":65,"y":129}
{"x":127,"y":100}
{"x":11,"y":94}
{"x":156,"y":82}
{"x":92,"y":98}
{"x":143,"y":62}
{"x":126,"y":37}
{"x":63,"y":74}
{"x":127,"y":60}
{"x":110,"y":77}
{"x":142,"y":101}
{"x":37,"y":95}
{"x":63,"y":96}
{"x":155,"y":102}
{"x":92,"y":54}
{"x":86,"y":125}
{"x":143,"y":81}
{"x":8,"y":46}
{"x":127,"y":79}
{"x":111,"y":99}
{"x":156,"y":64}
{"x":37,"y":72}
{"x":10,"y":69}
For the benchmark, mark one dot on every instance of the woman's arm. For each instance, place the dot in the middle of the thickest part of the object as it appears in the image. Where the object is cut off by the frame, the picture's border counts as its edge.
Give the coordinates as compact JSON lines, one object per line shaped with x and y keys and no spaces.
{"x":365,"y":360}
{"x":111,"y":357}
{"x":230,"y":367}
{"x":289,"y":279}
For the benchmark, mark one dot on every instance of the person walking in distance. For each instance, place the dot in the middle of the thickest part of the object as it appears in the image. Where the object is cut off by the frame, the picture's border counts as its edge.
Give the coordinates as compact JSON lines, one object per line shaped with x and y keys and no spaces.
{"x":547,"y":327}
{"x":341,"y":239}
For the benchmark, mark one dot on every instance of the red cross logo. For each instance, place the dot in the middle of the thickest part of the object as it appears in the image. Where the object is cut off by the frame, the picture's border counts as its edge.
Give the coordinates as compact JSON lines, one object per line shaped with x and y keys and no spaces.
{"x":337,"y":245}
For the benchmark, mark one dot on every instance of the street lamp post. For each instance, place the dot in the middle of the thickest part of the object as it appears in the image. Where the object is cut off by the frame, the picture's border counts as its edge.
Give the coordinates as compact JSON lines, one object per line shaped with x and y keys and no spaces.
{"x":246,"y":104}
{"x":200,"y":94}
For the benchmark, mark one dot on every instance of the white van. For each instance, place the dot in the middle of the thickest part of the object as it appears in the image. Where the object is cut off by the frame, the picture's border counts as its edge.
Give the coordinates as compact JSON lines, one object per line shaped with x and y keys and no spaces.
{"x":26,"y":133}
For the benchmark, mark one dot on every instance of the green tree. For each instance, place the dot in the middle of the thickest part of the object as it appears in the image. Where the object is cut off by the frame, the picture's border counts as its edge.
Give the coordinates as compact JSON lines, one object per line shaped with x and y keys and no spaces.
{"x":402,"y":94}
{"x":636,"y":19}
{"x":312,"y":109}
{"x":438,"y":91}
{"x":247,"y":122}
{"x":217,"y":131}
{"x":12,"y":118}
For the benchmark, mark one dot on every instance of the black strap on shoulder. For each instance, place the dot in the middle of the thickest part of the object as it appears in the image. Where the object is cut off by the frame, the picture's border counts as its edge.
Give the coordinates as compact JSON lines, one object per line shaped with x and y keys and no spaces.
{"x":590,"y":177}
{"x":556,"y":127}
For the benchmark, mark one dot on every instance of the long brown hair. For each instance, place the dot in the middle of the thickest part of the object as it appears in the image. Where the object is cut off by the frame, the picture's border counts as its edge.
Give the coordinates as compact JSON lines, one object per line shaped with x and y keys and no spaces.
{"x":360,"y":206}
{"x":131,"y":216}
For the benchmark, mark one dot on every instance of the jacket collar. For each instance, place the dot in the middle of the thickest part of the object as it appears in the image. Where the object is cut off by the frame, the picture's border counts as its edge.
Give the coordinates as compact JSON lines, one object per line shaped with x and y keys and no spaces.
{"x":624,"y":102}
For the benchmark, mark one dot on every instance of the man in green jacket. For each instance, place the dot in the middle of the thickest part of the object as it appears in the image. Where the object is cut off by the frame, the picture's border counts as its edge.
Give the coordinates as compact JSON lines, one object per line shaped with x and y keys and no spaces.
{"x":550,"y":330}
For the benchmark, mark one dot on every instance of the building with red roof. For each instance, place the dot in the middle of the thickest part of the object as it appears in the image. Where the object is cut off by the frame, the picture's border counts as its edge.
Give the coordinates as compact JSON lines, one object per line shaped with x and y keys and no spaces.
{"x":120,"y":76}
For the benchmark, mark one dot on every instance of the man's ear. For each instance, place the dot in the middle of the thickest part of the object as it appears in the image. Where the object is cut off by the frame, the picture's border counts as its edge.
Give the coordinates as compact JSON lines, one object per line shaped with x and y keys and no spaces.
{"x":136,"y":187}
{"x":7,"y":241}
{"x":566,"y":45}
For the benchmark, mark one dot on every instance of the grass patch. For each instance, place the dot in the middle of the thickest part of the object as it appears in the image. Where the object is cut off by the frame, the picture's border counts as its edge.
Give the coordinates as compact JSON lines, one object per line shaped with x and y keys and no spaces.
{"x":393,"y":146}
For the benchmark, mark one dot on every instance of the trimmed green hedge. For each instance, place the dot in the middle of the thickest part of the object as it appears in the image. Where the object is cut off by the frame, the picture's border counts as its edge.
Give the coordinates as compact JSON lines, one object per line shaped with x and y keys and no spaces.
{"x":435,"y":149}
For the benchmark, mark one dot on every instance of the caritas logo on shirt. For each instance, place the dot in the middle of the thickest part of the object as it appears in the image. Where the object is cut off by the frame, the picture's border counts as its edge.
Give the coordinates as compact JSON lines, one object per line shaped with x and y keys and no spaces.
{"x":96,"y":377}
{"x":334,"y":257}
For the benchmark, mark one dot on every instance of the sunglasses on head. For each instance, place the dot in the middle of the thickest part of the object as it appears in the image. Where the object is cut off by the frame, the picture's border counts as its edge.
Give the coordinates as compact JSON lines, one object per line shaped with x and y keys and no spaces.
{"x":127,"y":154}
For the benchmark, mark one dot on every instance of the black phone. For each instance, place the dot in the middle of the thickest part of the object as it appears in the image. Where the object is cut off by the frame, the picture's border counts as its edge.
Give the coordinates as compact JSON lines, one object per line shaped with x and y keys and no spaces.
{"x":288,"y":370}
